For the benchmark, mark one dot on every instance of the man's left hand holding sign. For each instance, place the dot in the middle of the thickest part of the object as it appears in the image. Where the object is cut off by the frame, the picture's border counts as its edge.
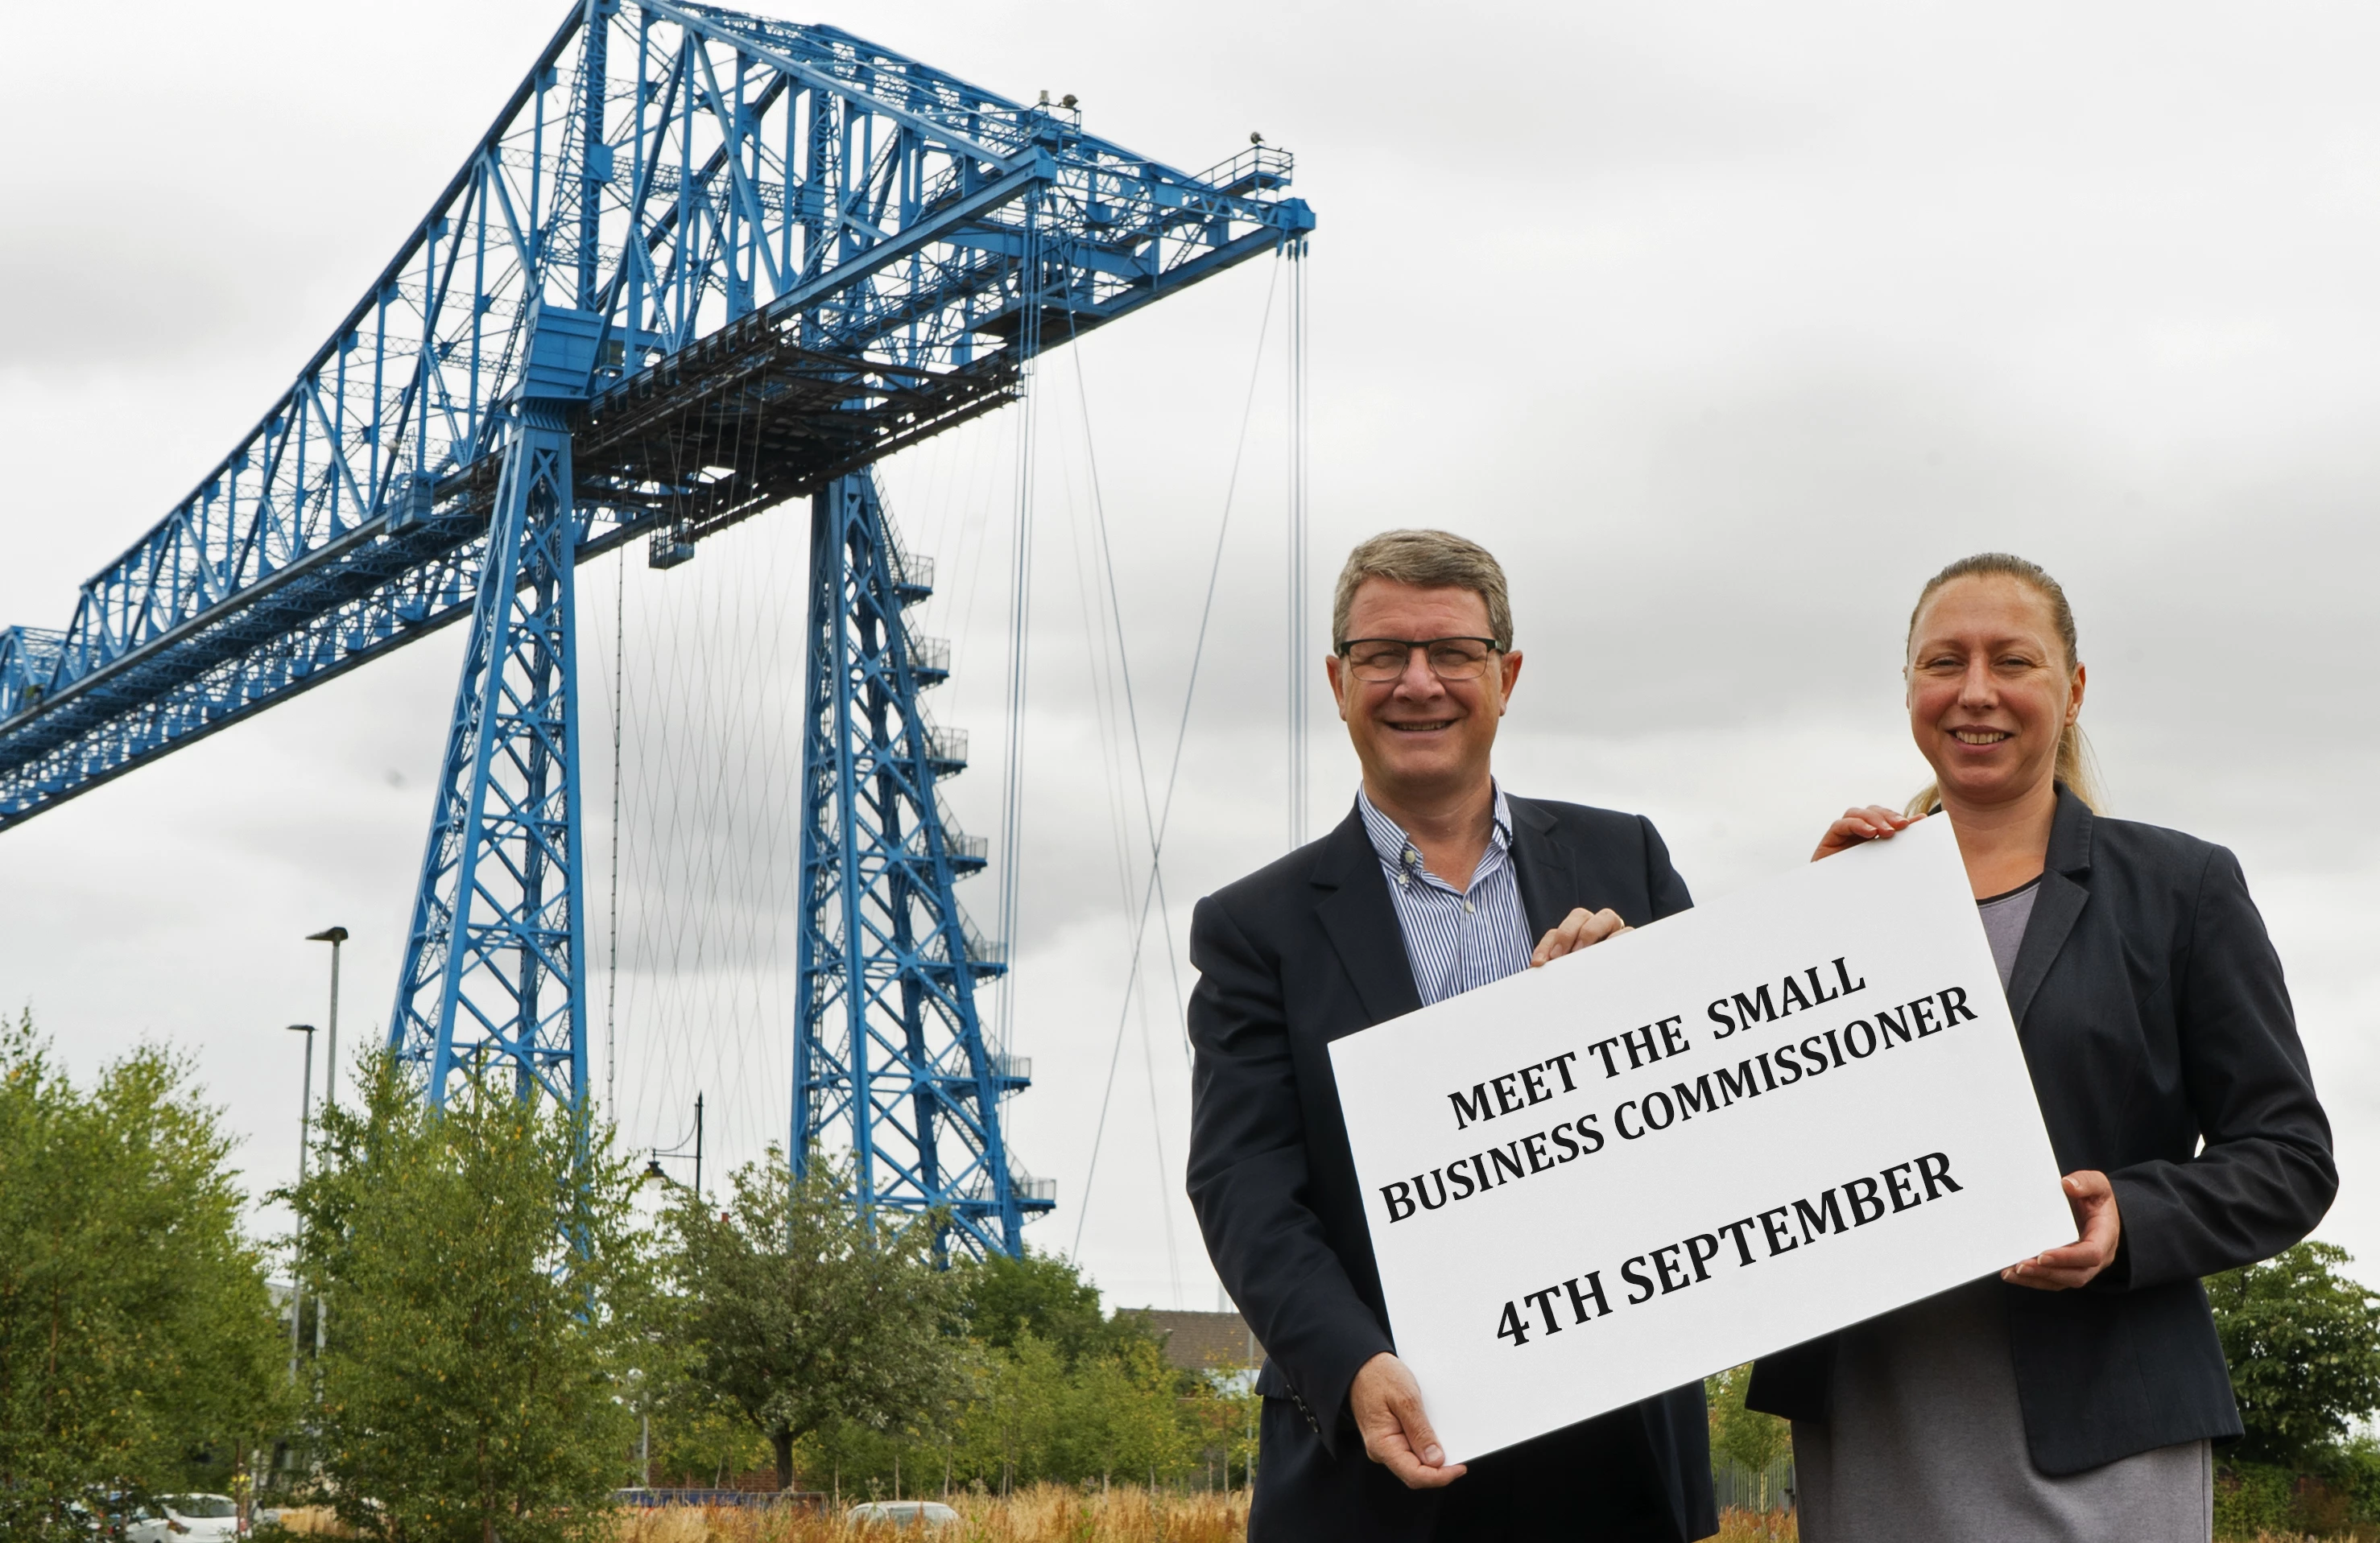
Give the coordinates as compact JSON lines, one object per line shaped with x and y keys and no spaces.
{"x":1434,"y":884}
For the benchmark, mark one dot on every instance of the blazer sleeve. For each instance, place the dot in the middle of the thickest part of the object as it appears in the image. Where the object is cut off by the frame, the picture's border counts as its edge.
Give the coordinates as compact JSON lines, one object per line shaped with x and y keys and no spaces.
{"x":1668,"y":891}
{"x":2265,"y":1174}
{"x":1248,"y":1179}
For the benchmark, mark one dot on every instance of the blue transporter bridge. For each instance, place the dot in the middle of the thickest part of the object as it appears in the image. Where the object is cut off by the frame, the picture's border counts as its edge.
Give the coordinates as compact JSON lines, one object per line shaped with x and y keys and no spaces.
{"x":702,"y":263}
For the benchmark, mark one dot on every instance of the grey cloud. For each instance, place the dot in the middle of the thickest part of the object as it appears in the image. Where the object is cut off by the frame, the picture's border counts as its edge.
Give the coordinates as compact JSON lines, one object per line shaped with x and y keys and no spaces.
{"x":1724,"y":326}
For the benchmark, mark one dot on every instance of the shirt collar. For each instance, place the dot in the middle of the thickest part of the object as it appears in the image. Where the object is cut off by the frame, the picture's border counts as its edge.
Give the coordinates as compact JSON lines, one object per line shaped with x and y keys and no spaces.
{"x":1398,"y":853}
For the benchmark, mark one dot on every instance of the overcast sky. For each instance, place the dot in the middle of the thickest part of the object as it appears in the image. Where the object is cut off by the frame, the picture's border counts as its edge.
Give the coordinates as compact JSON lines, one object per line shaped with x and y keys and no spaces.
{"x":1724,"y":325}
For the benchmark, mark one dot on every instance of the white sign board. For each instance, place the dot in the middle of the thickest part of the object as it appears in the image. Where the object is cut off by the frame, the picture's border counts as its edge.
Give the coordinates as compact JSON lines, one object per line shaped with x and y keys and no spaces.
{"x":1698,"y":1142}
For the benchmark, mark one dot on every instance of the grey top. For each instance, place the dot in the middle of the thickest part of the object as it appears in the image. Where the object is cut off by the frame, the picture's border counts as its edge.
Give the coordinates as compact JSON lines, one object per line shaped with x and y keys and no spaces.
{"x":1926,"y":1436}
{"x":2004,"y":919}
{"x":1926,"y":1444}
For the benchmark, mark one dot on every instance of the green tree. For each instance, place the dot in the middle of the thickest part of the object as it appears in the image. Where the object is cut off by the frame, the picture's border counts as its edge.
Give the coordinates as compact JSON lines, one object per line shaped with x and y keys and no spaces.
{"x":1125,"y":1416}
{"x":1045,"y":1388}
{"x":2303,"y":1344}
{"x":138,"y":1346}
{"x":696,"y":1439}
{"x":1010,"y":1421}
{"x":489,"y":1288}
{"x":1045,"y":1295}
{"x":1747,"y":1438}
{"x":1072,"y":1393}
{"x":800,"y":1311}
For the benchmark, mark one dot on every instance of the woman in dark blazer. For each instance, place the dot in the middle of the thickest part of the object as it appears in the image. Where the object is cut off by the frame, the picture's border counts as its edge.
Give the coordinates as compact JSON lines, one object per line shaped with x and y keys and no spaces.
{"x":2074,"y":1396}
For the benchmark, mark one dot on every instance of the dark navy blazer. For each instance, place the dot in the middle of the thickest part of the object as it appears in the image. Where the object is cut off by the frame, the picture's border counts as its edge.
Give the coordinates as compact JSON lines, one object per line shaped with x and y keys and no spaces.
{"x":1291,"y":957}
{"x":2164,"y":1052}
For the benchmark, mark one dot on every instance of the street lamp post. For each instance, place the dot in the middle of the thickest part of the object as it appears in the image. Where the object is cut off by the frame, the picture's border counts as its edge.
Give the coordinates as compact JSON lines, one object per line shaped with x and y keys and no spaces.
{"x":333,"y":936}
{"x":304,"y":1138}
{"x":653,"y":1163}
{"x":655,"y":1172}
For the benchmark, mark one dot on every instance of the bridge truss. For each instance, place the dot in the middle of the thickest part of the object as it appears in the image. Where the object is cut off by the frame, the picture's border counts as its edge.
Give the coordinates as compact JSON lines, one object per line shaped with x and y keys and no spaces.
{"x":702,"y":262}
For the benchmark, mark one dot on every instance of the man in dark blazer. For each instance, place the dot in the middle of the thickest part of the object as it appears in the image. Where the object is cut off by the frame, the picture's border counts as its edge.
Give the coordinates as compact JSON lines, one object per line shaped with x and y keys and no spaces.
{"x":1435,"y":883}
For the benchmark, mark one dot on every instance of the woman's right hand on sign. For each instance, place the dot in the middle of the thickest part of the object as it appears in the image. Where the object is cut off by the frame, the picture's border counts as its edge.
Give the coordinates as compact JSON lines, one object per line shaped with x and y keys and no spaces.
{"x":1875,"y":823}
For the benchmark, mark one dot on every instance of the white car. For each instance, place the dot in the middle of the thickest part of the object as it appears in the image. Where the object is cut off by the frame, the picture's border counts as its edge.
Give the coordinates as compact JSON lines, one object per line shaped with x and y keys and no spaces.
{"x":187,"y":1519}
{"x":907,"y":1515}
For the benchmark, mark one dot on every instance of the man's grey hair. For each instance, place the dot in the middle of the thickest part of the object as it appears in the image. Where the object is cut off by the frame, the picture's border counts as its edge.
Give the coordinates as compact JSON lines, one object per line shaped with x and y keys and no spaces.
{"x":1427,"y":559}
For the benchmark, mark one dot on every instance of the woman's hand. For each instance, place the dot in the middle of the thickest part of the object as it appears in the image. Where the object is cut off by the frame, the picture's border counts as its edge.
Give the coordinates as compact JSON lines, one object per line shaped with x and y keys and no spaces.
{"x":2077,"y":1264}
{"x":1578,"y":930}
{"x":1875,"y":823}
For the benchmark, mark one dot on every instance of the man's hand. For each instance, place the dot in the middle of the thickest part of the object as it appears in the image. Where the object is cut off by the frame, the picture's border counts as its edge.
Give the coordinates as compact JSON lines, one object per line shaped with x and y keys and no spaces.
{"x":1579,"y":929}
{"x":1859,"y":827}
{"x":1387,"y":1402}
{"x":2094,"y":1202}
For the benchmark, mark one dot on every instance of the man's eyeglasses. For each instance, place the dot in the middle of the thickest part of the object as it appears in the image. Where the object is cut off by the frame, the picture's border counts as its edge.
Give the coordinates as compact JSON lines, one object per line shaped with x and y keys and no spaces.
{"x":1451,"y":659}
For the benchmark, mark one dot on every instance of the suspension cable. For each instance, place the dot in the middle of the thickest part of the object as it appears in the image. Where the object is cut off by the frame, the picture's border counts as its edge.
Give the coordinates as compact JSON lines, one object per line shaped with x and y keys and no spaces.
{"x":1174,"y":772}
{"x":1149,"y":817}
{"x":1300,"y":678}
{"x":1012,"y":813}
{"x":612,"y":972}
{"x":1132,"y":711}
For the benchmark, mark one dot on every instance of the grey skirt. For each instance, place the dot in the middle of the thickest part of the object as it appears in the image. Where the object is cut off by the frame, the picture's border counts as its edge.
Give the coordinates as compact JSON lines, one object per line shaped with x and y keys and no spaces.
{"x":1926,"y":1440}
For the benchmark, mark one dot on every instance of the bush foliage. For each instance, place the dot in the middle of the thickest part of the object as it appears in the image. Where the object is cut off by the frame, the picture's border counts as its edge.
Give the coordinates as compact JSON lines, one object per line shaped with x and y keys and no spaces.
{"x":488,"y":1288}
{"x":796,"y":1311}
{"x":139,"y":1349}
{"x":2303,"y":1344}
{"x":1026,"y":1380}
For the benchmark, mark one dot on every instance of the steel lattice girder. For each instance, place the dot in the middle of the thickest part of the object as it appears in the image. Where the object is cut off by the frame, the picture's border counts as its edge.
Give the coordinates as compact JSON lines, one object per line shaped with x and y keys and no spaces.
{"x":802,"y":252}
{"x":889,"y":1055}
{"x":495,"y":958}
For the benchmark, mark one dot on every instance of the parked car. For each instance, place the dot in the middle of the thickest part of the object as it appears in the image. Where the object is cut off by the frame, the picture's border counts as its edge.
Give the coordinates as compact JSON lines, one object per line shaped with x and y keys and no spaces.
{"x":907,"y":1515}
{"x":186,"y":1519}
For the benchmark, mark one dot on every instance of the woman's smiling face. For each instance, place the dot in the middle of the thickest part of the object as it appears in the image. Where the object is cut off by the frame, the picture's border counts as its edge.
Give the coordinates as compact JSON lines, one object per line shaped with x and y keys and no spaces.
{"x":1990,"y":688}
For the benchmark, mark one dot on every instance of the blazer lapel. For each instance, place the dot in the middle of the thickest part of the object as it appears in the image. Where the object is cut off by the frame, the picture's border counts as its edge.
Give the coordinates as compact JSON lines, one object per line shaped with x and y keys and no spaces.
{"x":1361,"y":922}
{"x":1547,"y":883}
{"x":2064,"y":893}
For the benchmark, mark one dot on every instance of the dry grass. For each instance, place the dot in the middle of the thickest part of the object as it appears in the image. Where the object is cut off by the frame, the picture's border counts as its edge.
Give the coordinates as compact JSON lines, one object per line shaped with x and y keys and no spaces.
{"x":1044,"y":1513}
{"x":1053,"y":1514}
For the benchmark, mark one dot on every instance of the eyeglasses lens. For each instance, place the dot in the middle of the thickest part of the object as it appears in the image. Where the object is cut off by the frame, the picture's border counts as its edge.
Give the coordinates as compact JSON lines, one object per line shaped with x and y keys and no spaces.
{"x":1449,"y":659}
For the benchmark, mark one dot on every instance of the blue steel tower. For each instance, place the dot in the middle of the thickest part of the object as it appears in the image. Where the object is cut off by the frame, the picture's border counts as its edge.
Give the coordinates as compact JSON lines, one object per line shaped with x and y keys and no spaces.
{"x":891,"y":1055}
{"x":702,"y":263}
{"x":495,"y":958}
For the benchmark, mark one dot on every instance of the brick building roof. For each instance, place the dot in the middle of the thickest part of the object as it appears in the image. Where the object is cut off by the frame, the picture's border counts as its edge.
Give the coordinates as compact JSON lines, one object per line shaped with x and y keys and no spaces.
{"x":1203,"y":1342}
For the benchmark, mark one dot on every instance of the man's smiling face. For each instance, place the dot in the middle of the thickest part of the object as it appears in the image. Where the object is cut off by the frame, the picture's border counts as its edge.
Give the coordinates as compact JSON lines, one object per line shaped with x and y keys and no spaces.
{"x":1420,"y":737}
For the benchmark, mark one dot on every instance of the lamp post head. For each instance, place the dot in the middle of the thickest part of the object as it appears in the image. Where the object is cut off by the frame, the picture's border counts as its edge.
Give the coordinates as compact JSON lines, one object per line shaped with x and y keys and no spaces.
{"x":328,"y":935}
{"x":653,"y":1170}
{"x":301,"y":1028}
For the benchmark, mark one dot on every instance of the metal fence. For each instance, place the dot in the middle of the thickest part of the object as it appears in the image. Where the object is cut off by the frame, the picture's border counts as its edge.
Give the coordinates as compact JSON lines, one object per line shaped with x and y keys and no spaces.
{"x":1740,"y":1489}
{"x":644,"y":1499}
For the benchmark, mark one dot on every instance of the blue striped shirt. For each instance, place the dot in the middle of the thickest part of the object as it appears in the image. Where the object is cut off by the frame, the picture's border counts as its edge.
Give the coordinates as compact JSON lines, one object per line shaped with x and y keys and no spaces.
{"x":1455,"y":939}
